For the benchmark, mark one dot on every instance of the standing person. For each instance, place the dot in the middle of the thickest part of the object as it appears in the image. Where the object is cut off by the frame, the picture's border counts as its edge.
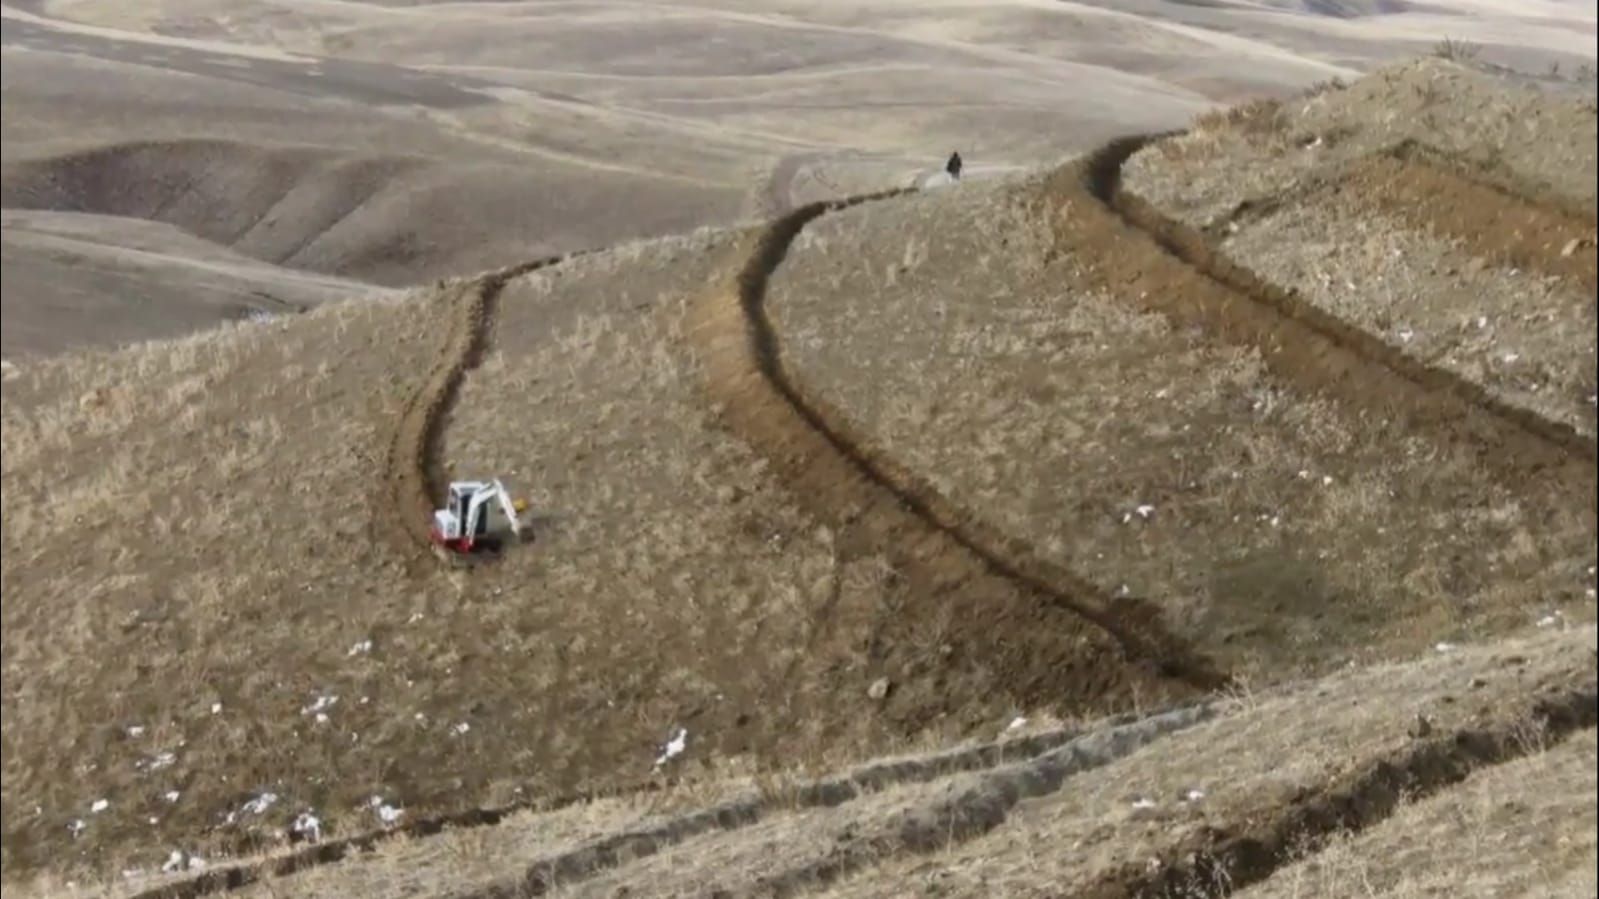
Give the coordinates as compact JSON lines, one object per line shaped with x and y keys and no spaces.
{"x":954,"y":166}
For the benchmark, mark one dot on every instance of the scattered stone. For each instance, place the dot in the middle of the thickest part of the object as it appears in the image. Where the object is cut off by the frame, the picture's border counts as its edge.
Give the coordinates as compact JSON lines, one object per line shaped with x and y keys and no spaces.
{"x":1421,"y":728}
{"x":387,"y":814}
{"x":261,"y":803}
{"x":673,"y":747}
{"x":878,"y":691}
{"x":306,"y":826}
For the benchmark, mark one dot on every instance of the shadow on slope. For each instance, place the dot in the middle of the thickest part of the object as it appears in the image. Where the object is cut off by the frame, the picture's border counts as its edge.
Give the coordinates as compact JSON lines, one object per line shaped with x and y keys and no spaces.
{"x":388,"y":219}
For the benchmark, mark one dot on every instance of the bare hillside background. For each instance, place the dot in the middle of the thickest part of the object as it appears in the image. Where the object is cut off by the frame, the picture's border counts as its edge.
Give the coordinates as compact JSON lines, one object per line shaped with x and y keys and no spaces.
{"x":396,"y":142}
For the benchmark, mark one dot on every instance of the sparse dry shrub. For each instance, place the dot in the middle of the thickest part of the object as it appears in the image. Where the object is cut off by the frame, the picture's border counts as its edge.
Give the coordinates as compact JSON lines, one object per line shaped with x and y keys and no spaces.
{"x":1330,"y":85}
{"x":1456,"y":50}
{"x":1254,"y":119}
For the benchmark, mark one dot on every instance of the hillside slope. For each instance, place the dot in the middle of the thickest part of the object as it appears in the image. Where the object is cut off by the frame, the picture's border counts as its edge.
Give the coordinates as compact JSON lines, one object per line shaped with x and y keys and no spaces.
{"x":877,"y":475}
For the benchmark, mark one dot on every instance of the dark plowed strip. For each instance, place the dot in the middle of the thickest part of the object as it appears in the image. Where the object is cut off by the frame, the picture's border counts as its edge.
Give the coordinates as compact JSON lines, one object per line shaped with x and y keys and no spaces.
{"x":1425,"y":192}
{"x":987,"y":804}
{"x":618,"y":849}
{"x":1231,"y":854}
{"x":233,"y":877}
{"x":1135,"y":251}
{"x":1228,"y":859}
{"x":1053,"y":638}
{"x":413,"y":475}
{"x":608,"y":851}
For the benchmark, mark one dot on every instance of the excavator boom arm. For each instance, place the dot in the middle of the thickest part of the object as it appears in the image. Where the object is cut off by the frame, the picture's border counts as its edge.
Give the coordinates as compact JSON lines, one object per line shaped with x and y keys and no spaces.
{"x":503,"y":496}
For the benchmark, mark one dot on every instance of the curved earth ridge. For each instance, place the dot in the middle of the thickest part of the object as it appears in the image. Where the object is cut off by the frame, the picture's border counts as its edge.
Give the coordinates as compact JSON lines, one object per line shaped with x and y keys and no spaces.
{"x":1300,"y":342}
{"x":871,"y":497}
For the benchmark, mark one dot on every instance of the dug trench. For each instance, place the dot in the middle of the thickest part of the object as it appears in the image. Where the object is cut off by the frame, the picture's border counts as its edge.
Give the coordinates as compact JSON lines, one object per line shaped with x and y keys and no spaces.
{"x":1096,"y":658}
{"x":1050,"y":639}
{"x":537,"y":876}
{"x":1141,"y":254}
{"x":1061,"y":751}
{"x":1429,"y":191}
{"x":878,"y":505}
{"x":1490,"y":216}
{"x":1238,"y":854}
{"x":1228,"y":854}
{"x":413,"y":475}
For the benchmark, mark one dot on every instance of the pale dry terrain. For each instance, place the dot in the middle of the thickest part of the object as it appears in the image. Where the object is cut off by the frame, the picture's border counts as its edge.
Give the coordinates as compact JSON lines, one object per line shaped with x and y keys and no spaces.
{"x":1450,"y":217}
{"x":1117,"y":809}
{"x":397,"y":142}
{"x":62,"y":266}
{"x":850,"y":482}
{"x":1273,"y":525}
{"x":1527,"y":828}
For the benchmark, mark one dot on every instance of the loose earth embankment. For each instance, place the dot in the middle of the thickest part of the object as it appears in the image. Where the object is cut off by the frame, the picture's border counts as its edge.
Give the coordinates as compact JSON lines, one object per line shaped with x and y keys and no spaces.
{"x":615,"y":849}
{"x":1170,"y":268}
{"x":1238,"y":854}
{"x":413,"y":476}
{"x":1065,"y":642}
{"x":1514,"y":227}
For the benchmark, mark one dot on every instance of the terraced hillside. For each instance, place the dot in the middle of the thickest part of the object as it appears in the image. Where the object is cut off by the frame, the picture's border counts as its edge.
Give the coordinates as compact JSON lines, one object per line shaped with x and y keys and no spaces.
{"x":892,"y":474}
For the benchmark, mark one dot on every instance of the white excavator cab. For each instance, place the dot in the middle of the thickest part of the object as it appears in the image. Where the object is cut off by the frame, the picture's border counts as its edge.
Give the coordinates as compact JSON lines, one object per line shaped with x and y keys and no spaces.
{"x":475,"y":513}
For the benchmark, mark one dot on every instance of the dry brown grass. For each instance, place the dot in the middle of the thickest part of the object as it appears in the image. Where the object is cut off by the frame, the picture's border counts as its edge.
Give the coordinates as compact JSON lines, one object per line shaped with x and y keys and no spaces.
{"x":1280,"y":530}
{"x":1247,"y":765}
{"x":1420,"y":247}
{"x":165,"y":556}
{"x":1527,"y":828}
{"x":209,"y":576}
{"x":671,"y":584}
{"x":1265,"y":748}
{"x":1528,"y":138}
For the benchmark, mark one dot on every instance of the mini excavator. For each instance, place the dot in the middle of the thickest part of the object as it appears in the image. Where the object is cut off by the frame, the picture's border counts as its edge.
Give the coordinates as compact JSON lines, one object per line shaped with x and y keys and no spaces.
{"x":475,"y":517}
